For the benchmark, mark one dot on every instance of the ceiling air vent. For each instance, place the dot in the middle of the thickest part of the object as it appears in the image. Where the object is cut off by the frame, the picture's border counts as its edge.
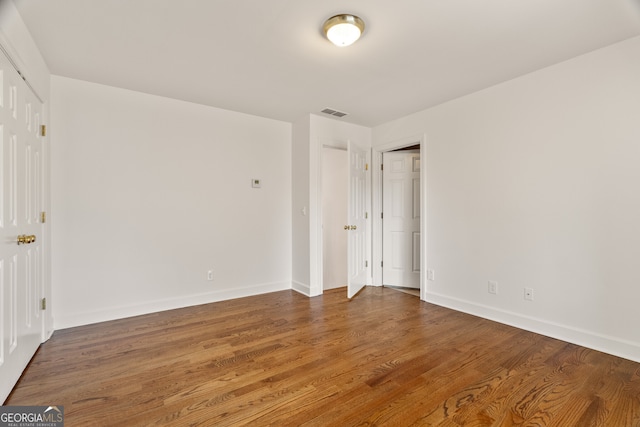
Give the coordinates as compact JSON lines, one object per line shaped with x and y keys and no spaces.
{"x":332,"y":112}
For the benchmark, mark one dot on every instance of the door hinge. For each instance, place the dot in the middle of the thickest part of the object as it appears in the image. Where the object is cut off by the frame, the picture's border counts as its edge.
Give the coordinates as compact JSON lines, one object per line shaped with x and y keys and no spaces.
{"x":382,"y":215}
{"x":366,"y":264}
{"x":366,"y":166}
{"x":43,"y":304}
{"x":381,"y":263}
{"x":43,"y":217}
{"x":43,"y":130}
{"x":366,"y":215}
{"x":381,"y":166}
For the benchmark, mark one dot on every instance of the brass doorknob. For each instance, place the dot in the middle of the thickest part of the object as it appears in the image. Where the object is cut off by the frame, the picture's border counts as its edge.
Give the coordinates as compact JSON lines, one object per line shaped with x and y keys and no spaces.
{"x":346,"y":227}
{"x":353,"y":227}
{"x":23,"y":239}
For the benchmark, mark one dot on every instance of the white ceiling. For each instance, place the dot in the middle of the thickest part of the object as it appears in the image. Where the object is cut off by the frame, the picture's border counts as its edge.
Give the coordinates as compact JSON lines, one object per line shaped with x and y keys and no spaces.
{"x":269,"y":58}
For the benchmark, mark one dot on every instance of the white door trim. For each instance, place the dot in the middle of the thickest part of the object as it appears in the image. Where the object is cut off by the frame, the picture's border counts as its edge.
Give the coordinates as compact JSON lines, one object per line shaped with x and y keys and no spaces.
{"x":377,"y":206}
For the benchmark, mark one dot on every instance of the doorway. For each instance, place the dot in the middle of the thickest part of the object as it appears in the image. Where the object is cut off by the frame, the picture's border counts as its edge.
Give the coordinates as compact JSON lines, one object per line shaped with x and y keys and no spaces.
{"x":408,"y":144}
{"x":334,"y":214}
{"x":401,"y":218}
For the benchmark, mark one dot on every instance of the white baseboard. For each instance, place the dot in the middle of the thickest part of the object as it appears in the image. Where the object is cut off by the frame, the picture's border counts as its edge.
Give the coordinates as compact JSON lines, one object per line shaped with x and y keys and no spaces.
{"x":121,"y":312}
{"x":606,"y":344}
{"x":301,"y":287}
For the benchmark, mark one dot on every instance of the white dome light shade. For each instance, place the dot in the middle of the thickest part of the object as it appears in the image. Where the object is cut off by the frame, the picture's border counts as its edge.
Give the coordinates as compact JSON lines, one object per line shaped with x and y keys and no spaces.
{"x":343,"y":34}
{"x":343,"y":30}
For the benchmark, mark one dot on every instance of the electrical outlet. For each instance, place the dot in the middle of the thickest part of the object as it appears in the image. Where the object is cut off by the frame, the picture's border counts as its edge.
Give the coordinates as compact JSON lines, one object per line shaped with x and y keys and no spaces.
{"x":528,"y":294}
{"x":492,"y":287}
{"x":210,"y":275}
{"x":431,"y":275}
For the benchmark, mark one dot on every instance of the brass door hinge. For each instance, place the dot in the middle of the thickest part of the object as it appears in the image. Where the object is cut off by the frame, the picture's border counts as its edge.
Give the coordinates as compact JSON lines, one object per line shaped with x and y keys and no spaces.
{"x":366,"y":166}
{"x":43,"y":304}
{"x":43,"y":130}
{"x":43,"y":217}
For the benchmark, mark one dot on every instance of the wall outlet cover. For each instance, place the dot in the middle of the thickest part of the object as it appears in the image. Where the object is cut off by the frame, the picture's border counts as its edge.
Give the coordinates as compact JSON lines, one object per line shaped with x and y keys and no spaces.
{"x":528,"y":294}
{"x":492,"y":287}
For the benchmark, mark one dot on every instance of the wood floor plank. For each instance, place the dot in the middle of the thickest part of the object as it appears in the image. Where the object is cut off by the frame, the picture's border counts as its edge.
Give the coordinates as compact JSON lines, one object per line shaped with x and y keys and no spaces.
{"x":384,"y":358}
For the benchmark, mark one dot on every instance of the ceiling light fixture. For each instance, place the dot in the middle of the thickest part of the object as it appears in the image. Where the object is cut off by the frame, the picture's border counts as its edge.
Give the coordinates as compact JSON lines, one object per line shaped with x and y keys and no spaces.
{"x":343,"y":30}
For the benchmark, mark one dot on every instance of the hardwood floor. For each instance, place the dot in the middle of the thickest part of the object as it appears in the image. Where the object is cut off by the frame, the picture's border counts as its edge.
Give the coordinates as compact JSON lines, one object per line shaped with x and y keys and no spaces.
{"x":410,"y":291}
{"x":384,"y":358}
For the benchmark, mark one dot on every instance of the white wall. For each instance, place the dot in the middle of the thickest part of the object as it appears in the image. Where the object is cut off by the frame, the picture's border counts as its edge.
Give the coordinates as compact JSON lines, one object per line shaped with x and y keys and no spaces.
{"x":535,"y":183}
{"x":334,"y":218}
{"x":150,"y":193}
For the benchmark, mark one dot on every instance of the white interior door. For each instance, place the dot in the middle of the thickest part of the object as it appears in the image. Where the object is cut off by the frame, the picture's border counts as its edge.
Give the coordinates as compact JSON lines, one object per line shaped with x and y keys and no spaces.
{"x":401,"y":219}
{"x":21,"y":281}
{"x":356,"y":219}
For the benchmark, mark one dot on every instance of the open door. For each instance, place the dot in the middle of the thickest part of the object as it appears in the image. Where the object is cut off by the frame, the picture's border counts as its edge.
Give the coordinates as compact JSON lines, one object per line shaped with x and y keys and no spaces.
{"x":401,"y":221}
{"x":21,"y":250}
{"x":356,"y":220}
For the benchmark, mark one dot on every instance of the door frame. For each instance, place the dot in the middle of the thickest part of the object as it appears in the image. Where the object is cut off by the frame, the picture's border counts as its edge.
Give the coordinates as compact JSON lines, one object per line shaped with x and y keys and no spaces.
{"x":377,"y":206}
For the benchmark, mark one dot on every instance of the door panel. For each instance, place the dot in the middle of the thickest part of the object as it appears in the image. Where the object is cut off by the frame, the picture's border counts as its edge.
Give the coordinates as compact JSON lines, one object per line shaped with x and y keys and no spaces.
{"x":21,"y":284}
{"x":356,"y":219}
{"x":401,"y":219}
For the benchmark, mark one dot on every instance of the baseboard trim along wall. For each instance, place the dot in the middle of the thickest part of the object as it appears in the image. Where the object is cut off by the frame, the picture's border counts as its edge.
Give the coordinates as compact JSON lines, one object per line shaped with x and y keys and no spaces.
{"x":121,"y":312}
{"x":606,"y":344}
{"x":302,"y":288}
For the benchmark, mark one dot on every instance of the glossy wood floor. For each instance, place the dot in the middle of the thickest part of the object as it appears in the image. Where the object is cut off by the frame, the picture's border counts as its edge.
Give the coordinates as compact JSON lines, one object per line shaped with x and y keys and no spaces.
{"x":384,"y":358}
